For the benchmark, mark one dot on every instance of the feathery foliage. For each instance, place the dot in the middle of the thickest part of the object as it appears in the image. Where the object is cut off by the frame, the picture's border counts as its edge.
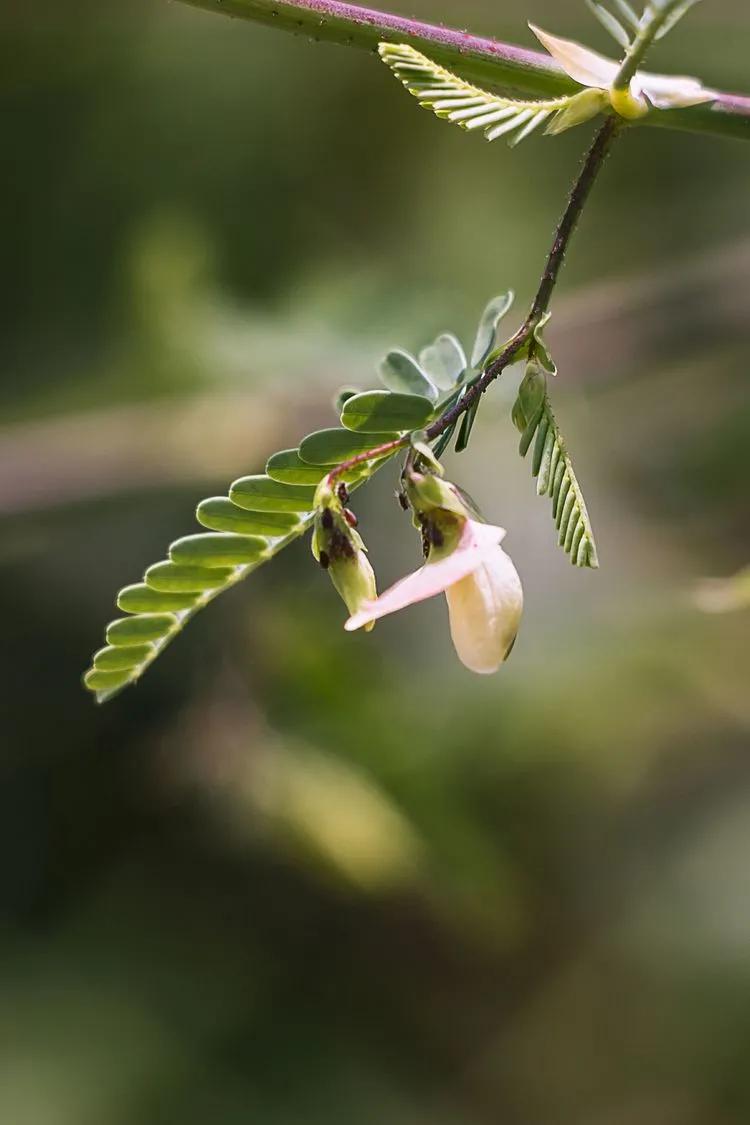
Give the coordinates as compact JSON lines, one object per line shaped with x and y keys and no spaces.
{"x":551,"y":465}
{"x":456,"y":100}
{"x":266,"y":512}
{"x":261,"y":515}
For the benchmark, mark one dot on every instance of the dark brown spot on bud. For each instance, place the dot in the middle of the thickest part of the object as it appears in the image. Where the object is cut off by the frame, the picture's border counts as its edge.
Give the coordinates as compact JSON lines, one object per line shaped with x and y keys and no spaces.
{"x":327,"y":519}
{"x":324,"y":560}
{"x":343,"y":493}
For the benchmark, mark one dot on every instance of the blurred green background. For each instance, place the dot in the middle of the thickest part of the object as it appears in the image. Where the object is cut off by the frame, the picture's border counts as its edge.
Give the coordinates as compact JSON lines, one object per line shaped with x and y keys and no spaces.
{"x":300,"y":876}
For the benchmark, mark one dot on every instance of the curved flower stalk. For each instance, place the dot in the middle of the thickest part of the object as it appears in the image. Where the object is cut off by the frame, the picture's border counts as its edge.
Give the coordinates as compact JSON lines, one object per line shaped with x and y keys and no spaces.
{"x":465,"y":562}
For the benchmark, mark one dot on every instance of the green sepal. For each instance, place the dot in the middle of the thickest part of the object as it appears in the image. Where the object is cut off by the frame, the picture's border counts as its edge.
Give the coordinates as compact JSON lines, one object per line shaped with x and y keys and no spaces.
{"x":420,"y":444}
{"x":428,"y":493}
{"x":376,"y":411}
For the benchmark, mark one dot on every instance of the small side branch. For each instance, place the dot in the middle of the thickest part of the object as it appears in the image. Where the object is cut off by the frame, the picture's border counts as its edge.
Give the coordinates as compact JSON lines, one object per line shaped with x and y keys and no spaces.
{"x":519,"y":343}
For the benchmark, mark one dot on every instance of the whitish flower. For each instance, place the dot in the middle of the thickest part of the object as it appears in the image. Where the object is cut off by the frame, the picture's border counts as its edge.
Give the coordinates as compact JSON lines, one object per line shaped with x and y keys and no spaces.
{"x":597,"y":73}
{"x":465,"y":562}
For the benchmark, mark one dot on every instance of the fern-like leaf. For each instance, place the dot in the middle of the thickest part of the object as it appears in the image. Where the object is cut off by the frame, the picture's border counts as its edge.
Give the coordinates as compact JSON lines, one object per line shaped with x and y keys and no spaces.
{"x":260,"y":516}
{"x":456,"y":100}
{"x":553,"y":469}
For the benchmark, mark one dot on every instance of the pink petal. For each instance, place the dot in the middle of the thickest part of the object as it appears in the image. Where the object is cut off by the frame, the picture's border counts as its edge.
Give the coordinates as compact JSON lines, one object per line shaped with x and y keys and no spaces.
{"x":478,"y":541}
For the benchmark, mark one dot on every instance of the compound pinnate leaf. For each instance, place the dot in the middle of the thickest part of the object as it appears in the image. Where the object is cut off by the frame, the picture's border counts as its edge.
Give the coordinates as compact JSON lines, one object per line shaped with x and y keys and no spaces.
{"x":551,"y":465}
{"x":261,"y":494}
{"x":218,"y":513}
{"x":456,"y":100}
{"x":376,"y":411}
{"x":331,"y":447}
{"x":262,"y":517}
{"x":401,"y":373}
{"x":219,"y":549}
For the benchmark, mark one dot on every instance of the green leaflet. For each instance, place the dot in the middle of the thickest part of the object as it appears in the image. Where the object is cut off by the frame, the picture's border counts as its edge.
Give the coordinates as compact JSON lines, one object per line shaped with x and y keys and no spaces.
{"x":115,"y":659}
{"x":287,"y":467}
{"x":261,"y":494}
{"x":656,"y":8}
{"x":220,"y":549}
{"x":401,"y":373}
{"x":376,"y":411}
{"x":171,"y":578}
{"x":487,"y":330}
{"x":610,"y":23}
{"x":142,"y":627}
{"x":444,"y":361}
{"x":143,"y":599}
{"x":331,"y":447}
{"x":551,"y":465}
{"x":218,"y":513}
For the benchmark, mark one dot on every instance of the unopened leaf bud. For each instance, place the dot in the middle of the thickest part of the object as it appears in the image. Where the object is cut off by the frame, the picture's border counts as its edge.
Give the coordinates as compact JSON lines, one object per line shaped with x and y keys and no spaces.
{"x":531,"y":394}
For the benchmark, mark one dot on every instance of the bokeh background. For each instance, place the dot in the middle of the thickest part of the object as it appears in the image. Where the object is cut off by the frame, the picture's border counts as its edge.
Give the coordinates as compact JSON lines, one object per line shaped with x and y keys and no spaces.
{"x":299,"y":876}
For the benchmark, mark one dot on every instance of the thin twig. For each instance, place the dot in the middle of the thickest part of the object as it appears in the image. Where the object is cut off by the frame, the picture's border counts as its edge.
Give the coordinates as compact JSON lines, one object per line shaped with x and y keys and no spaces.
{"x":521,"y":340}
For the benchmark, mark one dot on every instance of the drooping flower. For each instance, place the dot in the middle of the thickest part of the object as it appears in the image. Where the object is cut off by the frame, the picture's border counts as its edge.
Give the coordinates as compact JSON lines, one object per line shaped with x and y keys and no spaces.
{"x":340,"y":550}
{"x":465,"y":562}
{"x":598,"y":74}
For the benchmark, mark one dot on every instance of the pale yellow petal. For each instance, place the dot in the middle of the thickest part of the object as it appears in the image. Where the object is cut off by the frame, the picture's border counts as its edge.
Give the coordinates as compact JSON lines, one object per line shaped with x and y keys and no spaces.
{"x":485,"y":611}
{"x":583,"y":65}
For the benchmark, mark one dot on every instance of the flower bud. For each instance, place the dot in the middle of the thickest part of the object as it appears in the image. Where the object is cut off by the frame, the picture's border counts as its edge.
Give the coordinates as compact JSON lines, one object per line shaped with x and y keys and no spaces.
{"x":339,"y":549}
